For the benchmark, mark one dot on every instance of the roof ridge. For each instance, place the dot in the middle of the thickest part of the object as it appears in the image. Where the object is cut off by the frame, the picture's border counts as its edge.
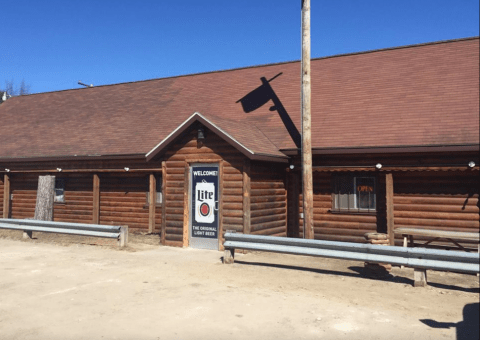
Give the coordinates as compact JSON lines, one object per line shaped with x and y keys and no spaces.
{"x":270,"y":64}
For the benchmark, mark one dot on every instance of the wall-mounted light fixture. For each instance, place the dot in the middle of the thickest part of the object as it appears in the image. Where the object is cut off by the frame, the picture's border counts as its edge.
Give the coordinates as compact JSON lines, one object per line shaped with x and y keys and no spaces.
{"x":126,"y":169}
{"x":59,"y":169}
{"x":292,"y":166}
{"x":471,"y":164}
{"x":7,"y":170}
{"x":378,"y":166}
{"x":200,"y":134}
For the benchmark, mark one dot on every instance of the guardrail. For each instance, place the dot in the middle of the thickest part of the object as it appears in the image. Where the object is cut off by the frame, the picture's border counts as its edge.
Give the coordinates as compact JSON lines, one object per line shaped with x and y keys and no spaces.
{"x":420,"y":259}
{"x":29,"y":226}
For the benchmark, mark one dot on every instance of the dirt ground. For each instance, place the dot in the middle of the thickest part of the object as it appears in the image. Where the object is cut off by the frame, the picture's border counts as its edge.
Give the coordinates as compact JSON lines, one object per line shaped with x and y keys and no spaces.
{"x":64,"y":288}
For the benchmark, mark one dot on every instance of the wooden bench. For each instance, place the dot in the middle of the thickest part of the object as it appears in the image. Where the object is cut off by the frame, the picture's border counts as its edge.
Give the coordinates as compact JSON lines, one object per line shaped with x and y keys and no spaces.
{"x":409,"y":233}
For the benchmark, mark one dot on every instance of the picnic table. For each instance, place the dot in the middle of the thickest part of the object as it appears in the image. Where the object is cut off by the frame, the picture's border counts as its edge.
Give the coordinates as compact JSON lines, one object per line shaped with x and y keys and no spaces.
{"x":409,"y":233}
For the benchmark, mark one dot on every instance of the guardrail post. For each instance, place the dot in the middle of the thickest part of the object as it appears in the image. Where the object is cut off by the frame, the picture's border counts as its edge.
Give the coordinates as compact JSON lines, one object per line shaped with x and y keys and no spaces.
{"x":229,"y":253}
{"x":419,"y":277}
{"x":123,"y":237}
{"x":27,"y":234}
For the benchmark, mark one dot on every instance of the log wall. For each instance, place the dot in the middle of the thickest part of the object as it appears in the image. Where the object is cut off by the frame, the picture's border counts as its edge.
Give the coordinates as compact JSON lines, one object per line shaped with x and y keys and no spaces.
{"x":123,"y":201}
{"x":214,"y":149}
{"x":346,"y":227}
{"x":24,"y":191}
{"x":268,"y":199}
{"x":437,"y":200}
{"x":78,"y":204}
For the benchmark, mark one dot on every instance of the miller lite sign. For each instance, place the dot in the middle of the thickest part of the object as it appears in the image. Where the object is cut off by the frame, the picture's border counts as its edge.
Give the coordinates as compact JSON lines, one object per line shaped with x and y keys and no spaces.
{"x":204,"y":207}
{"x":204,"y":202}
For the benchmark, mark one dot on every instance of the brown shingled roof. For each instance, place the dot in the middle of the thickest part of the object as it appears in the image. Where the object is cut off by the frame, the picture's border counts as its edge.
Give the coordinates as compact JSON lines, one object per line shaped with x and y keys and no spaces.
{"x":410,"y":96}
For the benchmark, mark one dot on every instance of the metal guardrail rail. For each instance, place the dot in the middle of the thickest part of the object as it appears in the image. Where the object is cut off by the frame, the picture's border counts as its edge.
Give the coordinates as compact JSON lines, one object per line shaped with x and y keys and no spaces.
{"x":420,"y":259}
{"x":28,"y":226}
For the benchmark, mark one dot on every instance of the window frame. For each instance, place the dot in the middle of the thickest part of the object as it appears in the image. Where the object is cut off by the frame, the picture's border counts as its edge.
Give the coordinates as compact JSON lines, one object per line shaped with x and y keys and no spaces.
{"x":159,"y":191}
{"x":59,"y":186}
{"x":352,"y":178}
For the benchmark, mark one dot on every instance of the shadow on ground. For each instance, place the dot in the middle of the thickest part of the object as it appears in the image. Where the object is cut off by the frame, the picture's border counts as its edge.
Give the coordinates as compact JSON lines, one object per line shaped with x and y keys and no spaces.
{"x":361,"y":273}
{"x":467,"y":329}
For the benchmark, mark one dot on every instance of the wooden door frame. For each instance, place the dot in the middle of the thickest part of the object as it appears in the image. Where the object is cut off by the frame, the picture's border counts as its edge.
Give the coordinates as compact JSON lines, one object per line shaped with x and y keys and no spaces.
{"x":186,"y":197}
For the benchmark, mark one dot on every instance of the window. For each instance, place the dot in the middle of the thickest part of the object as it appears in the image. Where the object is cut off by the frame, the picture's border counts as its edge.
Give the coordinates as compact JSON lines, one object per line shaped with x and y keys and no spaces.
{"x":59,"y":190}
{"x":158,"y":189}
{"x":354,"y":193}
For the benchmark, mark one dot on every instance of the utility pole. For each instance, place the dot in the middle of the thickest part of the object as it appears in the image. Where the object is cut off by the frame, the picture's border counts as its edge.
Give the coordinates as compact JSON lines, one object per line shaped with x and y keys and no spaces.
{"x":306,"y":125}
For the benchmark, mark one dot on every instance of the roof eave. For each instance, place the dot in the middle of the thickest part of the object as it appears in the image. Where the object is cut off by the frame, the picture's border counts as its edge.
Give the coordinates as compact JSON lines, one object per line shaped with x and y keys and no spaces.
{"x":388,"y":149}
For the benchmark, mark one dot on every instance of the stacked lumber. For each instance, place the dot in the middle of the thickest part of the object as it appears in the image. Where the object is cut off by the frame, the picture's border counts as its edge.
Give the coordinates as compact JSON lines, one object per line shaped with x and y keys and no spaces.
{"x":377,"y":268}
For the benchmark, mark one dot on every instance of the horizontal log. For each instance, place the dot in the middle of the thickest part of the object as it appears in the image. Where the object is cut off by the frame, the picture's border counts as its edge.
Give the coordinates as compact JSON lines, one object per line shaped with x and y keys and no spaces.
{"x":175,"y":239}
{"x":259,"y":199}
{"x":321,"y":198}
{"x":268,"y":192}
{"x":171,"y":197}
{"x":174,"y":210}
{"x":232,"y":213}
{"x":232,"y":220}
{"x":267,"y":225}
{"x":272,"y":231}
{"x":137,"y":218}
{"x":174,"y":224}
{"x":232,"y":206}
{"x":175,"y":164}
{"x":120,"y":193}
{"x":174,"y":204}
{"x":175,"y":177}
{"x":440,"y":223}
{"x":458,"y":208}
{"x":131,"y":204}
{"x":174,"y":231}
{"x":174,"y":217}
{"x":174,"y":190}
{"x":267,"y":205}
{"x":343,"y":232}
{"x":231,"y":184}
{"x":267,"y":185}
{"x":348,"y":218}
{"x":170,"y":243}
{"x":176,"y":171}
{"x":345,"y":225}
{"x":437,"y":215}
{"x":268,"y":218}
{"x":228,"y":197}
{"x":175,"y":184}
{"x":267,"y":212}
{"x":233,"y":192}
{"x":232,"y":177}
{"x":437,"y":199}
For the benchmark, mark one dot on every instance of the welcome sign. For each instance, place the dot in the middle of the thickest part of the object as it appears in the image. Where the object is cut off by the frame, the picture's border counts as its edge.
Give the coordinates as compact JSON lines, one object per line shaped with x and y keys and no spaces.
{"x":204,"y":201}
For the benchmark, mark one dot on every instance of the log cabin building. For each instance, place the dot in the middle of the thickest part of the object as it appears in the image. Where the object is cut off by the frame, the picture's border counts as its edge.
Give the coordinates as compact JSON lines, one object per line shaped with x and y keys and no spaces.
{"x":395,"y":143}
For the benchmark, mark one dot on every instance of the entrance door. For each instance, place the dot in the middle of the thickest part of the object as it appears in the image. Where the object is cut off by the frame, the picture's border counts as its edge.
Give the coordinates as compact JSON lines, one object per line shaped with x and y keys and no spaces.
{"x":204,"y":202}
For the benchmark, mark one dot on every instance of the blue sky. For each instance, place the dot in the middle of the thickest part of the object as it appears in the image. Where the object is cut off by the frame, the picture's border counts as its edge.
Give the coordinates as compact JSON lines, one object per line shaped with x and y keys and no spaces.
{"x":53,"y":44}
